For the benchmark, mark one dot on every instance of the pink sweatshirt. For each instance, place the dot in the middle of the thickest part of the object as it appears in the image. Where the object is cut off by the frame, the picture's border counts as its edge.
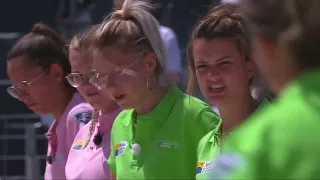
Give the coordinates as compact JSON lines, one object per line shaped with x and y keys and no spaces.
{"x":91,"y":162}
{"x":61,"y":135}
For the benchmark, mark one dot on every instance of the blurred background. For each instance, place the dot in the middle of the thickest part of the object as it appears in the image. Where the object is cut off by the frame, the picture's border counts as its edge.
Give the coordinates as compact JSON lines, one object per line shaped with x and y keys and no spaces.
{"x":22,"y":141}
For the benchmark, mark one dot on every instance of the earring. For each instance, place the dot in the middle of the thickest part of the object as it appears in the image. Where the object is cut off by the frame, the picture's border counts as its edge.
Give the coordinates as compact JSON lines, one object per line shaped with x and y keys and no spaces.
{"x":150,"y":81}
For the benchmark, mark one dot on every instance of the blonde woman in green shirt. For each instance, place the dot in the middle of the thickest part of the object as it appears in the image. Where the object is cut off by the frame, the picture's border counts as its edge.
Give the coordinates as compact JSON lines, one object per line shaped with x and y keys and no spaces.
{"x":157,"y":133}
{"x":282,"y":141}
{"x":220,"y":63}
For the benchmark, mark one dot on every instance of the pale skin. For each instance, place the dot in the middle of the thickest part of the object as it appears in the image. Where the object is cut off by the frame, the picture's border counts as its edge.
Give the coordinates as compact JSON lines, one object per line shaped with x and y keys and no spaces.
{"x":51,"y":83}
{"x":81,"y":63}
{"x":142,"y":99}
{"x":223,"y":77}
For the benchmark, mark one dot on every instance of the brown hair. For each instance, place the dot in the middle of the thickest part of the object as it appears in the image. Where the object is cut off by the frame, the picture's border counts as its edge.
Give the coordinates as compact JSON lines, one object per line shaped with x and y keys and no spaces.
{"x":42,"y":47}
{"x":83,"y":39}
{"x":133,"y":28}
{"x":224,"y":21}
{"x":294,"y":24}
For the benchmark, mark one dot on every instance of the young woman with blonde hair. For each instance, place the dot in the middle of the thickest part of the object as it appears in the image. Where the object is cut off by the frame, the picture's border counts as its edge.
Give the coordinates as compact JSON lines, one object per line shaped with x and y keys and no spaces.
{"x":156,"y":136}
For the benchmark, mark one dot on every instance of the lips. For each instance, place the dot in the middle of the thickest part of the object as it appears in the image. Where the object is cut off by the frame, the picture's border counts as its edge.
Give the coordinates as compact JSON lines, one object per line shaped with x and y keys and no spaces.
{"x":92,"y":94}
{"x":119,"y":97}
{"x":30,"y":105}
{"x":216,"y":88}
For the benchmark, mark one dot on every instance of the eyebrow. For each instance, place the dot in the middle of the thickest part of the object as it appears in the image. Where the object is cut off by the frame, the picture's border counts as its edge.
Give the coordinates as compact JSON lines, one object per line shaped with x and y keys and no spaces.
{"x":218,"y":60}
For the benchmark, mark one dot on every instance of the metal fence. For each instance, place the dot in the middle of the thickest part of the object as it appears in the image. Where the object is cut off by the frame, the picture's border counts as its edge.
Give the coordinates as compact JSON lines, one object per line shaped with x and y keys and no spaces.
{"x":16,"y":129}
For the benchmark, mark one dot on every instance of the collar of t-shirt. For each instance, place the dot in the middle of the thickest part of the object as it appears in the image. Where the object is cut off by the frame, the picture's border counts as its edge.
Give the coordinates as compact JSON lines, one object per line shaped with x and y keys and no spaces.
{"x":106,"y":120}
{"x":160,"y":112}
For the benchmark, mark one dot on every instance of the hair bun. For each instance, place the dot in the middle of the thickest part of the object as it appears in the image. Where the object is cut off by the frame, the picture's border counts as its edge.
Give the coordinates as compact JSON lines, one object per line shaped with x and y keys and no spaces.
{"x":45,"y":30}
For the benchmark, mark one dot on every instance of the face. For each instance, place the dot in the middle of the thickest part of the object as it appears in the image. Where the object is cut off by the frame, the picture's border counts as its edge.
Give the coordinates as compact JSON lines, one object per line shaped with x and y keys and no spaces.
{"x":222,"y":72}
{"x":124,"y":75}
{"x":39,"y":94}
{"x":81,"y":66}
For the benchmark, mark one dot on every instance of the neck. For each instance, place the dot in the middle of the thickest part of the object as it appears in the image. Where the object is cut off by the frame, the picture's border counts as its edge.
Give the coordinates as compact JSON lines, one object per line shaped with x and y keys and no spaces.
{"x":152,"y":99}
{"x":112,"y":106}
{"x":235,"y":113}
{"x":65,"y":98}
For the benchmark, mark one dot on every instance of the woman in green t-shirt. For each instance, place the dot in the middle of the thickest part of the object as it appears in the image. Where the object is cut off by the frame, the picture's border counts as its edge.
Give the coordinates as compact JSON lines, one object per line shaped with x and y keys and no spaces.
{"x":157,"y":133}
{"x":220,"y":63}
{"x":282,"y":140}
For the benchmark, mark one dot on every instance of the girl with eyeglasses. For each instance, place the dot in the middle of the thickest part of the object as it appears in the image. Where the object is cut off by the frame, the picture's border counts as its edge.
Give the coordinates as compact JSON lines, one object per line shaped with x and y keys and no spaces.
{"x":220,"y":63}
{"x":281,"y":142}
{"x":91,"y":148}
{"x":156,"y":135}
{"x":37,"y":65}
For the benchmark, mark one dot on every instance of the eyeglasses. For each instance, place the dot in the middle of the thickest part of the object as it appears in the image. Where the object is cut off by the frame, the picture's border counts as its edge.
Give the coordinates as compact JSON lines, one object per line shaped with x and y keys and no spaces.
{"x":23,"y":87}
{"x":99,"y":80}
{"x":77,"y":79}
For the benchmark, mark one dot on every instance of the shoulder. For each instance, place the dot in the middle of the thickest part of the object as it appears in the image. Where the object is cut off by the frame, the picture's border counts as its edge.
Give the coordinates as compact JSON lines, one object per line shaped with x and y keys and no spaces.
{"x":81,"y":113}
{"x":195,"y":107}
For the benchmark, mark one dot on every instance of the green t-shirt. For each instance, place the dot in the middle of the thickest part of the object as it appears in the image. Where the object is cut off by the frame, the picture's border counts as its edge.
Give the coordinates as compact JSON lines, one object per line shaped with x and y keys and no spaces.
{"x":209,"y":147}
{"x":168,"y":137}
{"x":280,"y":142}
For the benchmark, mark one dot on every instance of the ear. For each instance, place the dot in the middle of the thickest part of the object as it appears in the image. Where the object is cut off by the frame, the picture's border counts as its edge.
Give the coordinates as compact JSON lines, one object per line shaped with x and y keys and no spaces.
{"x":56,"y":72}
{"x":151,"y":62}
{"x":251,"y":69}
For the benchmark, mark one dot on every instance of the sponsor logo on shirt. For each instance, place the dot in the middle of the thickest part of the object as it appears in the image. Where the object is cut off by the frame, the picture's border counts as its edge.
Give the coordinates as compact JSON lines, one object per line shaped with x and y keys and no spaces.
{"x":204,"y":167}
{"x":225,"y":164}
{"x":120,"y":148}
{"x":78,"y":145}
{"x":84,"y":117}
{"x":167,"y":144}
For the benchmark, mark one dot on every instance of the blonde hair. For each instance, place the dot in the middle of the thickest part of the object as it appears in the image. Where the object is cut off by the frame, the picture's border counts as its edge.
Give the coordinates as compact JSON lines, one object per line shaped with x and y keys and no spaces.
{"x":93,"y":122}
{"x":133,"y":27}
{"x":82,"y":40}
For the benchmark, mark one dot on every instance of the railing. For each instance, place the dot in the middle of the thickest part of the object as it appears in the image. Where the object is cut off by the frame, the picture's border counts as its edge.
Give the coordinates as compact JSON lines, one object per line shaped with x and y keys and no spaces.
{"x":31,"y":159}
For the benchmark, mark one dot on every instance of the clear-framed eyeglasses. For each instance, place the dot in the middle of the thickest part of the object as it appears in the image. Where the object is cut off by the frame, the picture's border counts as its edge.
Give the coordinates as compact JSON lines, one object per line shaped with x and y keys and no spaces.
{"x":24,"y":86}
{"x":99,"y":80}
{"x":77,"y":79}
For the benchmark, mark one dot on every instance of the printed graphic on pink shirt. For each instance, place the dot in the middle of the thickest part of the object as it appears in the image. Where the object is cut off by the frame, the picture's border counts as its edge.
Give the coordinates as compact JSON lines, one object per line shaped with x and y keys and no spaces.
{"x":96,"y":155}
{"x":61,"y":136}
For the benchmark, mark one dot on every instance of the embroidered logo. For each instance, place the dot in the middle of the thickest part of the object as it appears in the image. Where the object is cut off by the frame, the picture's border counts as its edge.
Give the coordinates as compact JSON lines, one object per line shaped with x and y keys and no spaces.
{"x":204,"y":167}
{"x":120,"y":148}
{"x":78,"y":145}
{"x":84,"y":117}
{"x":167,"y":144}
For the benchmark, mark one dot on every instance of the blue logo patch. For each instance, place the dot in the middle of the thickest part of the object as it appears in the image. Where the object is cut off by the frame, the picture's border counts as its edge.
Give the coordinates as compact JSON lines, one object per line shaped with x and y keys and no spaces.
{"x":226,"y":164}
{"x":84,"y":117}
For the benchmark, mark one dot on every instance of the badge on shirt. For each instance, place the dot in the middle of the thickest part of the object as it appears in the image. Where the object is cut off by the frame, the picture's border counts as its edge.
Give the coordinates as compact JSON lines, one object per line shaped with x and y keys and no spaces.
{"x":204,"y":167}
{"x":84,"y":117}
{"x":78,"y":145}
{"x":226,"y":164}
{"x":120,"y":148}
{"x":167,"y":144}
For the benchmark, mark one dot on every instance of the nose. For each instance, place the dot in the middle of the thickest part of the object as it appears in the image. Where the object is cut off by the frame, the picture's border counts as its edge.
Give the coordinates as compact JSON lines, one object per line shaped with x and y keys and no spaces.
{"x":213,"y":74}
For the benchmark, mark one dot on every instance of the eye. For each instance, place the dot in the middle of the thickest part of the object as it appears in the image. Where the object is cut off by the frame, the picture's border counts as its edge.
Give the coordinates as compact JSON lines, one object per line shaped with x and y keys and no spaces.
{"x":224,"y":63}
{"x":201,"y":66}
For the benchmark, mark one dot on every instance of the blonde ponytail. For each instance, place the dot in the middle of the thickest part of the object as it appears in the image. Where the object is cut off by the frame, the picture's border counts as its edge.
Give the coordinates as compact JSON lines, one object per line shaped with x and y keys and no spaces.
{"x":94,"y":121}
